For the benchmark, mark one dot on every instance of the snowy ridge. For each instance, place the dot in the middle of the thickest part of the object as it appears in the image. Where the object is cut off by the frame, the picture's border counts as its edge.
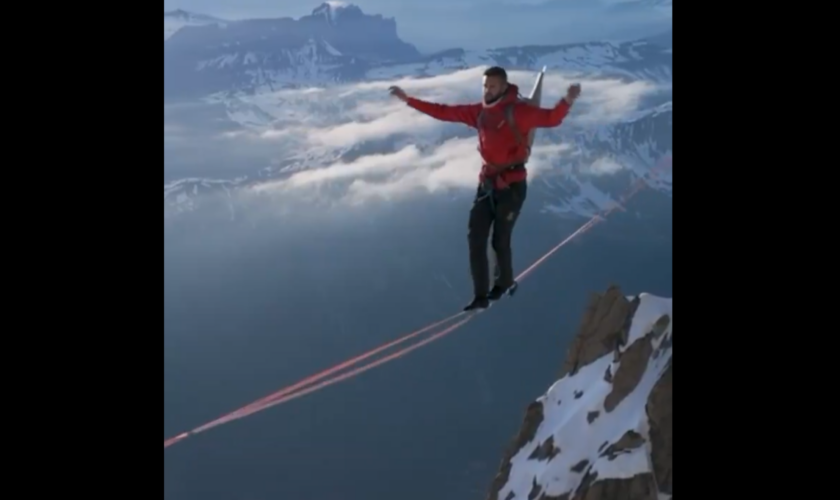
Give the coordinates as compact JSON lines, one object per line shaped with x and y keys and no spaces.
{"x":180,"y":196}
{"x":332,"y":10}
{"x":637,"y":145}
{"x":595,"y":423}
{"x":315,"y":62}
{"x":317,"y":65}
{"x":351,"y":46}
{"x":637,"y":59}
{"x":177,"y":19}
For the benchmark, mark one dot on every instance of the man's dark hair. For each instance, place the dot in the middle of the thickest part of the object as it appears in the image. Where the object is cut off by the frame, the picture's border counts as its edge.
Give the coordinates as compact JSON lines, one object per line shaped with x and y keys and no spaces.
{"x":496,"y":71}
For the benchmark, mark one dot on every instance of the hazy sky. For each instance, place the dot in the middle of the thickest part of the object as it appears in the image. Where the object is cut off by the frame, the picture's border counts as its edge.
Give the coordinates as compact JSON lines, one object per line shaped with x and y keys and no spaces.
{"x":296,"y":8}
{"x":442,"y":24}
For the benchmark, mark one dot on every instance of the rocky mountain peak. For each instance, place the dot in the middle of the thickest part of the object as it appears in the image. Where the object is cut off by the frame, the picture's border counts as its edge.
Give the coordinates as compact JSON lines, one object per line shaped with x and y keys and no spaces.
{"x":603,"y":431}
{"x":332,"y":12}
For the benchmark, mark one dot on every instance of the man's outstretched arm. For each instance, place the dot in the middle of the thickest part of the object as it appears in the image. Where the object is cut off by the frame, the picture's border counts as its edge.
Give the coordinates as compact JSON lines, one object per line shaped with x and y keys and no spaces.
{"x":462,"y":113}
{"x":536,"y":117}
{"x":465,"y":113}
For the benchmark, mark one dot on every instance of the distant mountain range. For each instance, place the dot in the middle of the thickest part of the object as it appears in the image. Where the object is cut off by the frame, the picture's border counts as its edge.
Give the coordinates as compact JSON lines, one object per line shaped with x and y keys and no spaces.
{"x":336,"y":43}
{"x":177,"y":19}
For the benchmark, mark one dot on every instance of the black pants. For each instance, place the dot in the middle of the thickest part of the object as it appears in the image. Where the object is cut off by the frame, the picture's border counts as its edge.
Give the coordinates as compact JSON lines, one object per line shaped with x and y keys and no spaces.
{"x":500,"y":214}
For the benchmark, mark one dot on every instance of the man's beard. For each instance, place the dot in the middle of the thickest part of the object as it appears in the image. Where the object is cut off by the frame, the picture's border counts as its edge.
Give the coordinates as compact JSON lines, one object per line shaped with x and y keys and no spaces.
{"x":493,"y":98}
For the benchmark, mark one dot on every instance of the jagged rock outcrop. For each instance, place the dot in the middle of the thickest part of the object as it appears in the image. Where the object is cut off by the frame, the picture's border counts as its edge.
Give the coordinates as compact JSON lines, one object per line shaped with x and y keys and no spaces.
{"x":603,"y":431}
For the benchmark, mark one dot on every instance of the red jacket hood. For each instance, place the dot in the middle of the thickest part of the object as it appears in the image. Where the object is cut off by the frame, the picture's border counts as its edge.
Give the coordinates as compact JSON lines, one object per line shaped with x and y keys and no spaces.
{"x":511,"y":95}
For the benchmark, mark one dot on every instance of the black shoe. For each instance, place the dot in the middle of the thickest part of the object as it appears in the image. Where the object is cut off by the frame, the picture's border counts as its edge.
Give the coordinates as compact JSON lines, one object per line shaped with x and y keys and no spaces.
{"x":499,"y":291}
{"x":478,"y":303}
{"x":496,"y":293}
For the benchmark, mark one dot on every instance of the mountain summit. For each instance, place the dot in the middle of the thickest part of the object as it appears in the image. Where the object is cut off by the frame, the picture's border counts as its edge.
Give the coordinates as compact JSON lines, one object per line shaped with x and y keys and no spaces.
{"x":176,"y":19}
{"x":603,"y":431}
{"x":332,"y":11}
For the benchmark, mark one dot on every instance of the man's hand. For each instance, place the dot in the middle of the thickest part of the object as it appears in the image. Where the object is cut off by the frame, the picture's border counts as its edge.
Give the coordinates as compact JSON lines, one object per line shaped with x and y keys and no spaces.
{"x":398,"y":93}
{"x":572,"y":93}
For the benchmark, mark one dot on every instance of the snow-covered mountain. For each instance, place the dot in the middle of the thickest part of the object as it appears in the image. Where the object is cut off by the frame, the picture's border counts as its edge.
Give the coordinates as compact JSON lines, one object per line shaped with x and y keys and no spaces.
{"x":634,"y":59}
{"x":336,"y":42}
{"x":177,"y":19}
{"x":332,"y":11}
{"x":603,"y":431}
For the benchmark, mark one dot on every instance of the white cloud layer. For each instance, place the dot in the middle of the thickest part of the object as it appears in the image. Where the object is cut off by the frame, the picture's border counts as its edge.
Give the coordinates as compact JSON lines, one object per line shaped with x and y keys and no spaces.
{"x":321,"y":125}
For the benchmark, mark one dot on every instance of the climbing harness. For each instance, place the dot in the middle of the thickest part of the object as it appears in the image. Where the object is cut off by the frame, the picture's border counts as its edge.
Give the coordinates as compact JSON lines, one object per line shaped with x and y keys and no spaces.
{"x":488,"y":185}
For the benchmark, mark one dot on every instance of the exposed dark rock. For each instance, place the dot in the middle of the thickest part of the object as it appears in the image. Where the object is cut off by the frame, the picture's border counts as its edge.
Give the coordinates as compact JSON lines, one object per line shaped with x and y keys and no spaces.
{"x":638,"y":487}
{"x":580,"y":466}
{"x":634,"y":361}
{"x":629,"y":441}
{"x":546,"y":451}
{"x":587,"y":480}
{"x":604,"y":323}
{"x":660,"y":412}
{"x":533,"y":419}
{"x":535,"y":490}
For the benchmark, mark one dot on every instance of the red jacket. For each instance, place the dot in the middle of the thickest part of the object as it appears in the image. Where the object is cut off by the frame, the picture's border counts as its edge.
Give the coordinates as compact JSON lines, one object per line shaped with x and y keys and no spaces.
{"x":498,"y":145}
